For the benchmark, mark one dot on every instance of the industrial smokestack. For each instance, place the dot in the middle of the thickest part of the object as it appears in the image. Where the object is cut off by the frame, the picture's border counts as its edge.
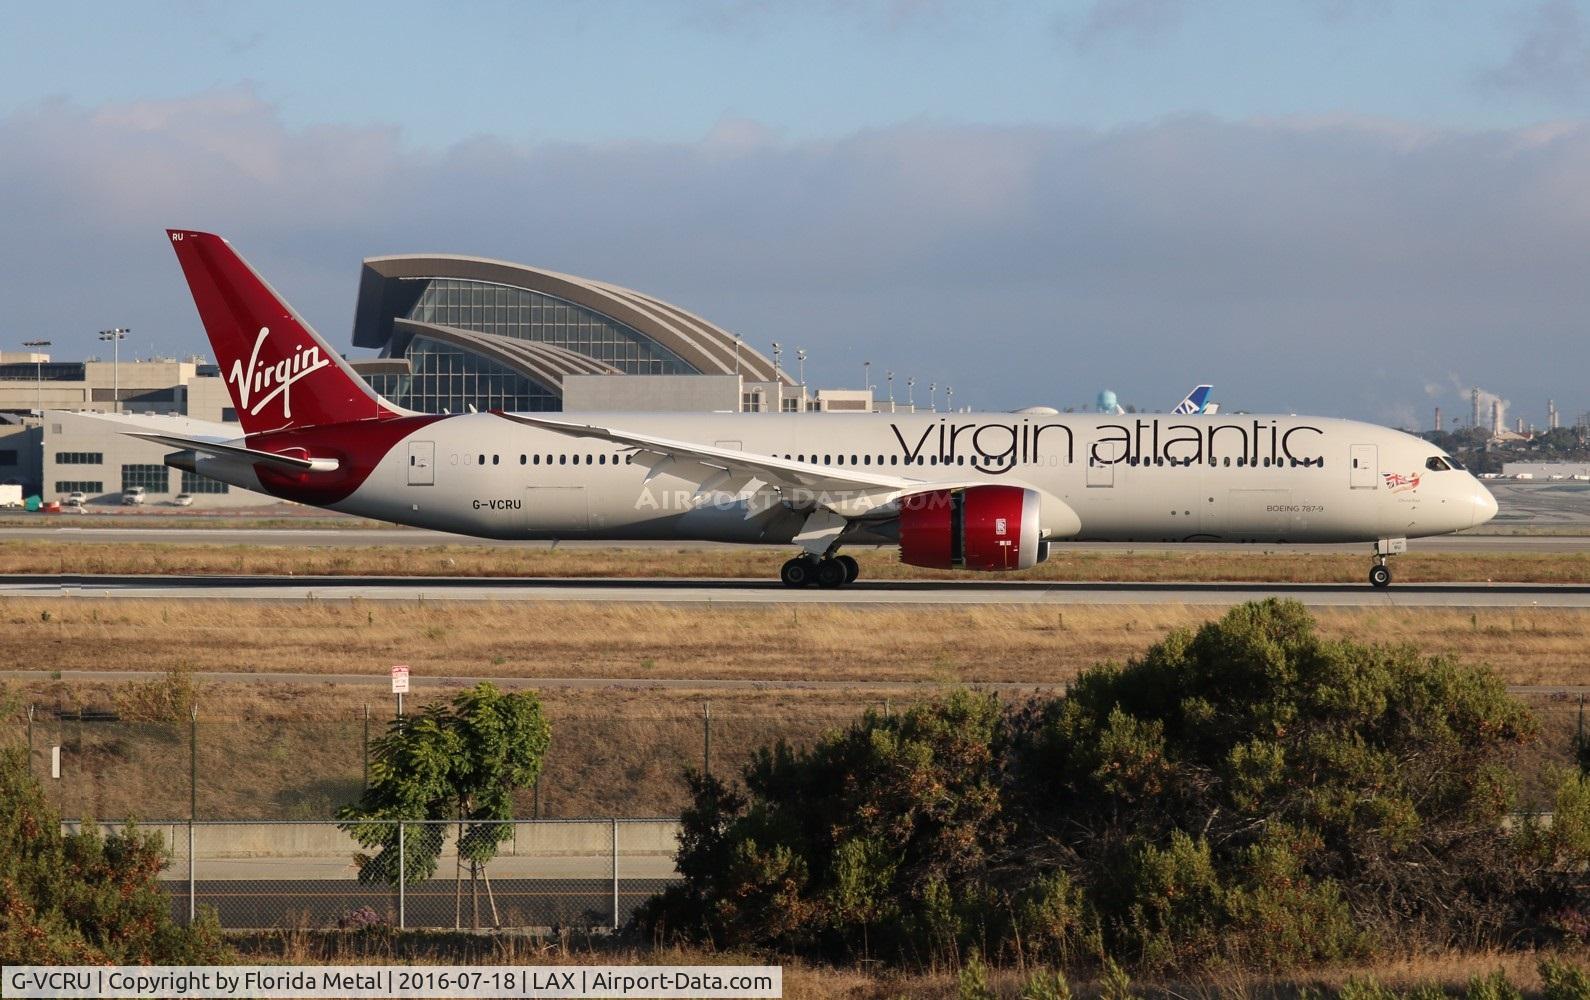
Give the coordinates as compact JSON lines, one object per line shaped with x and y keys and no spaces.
{"x":1552,"y":419}
{"x":1438,"y":418}
{"x":1496,"y":418}
{"x":1474,"y":398}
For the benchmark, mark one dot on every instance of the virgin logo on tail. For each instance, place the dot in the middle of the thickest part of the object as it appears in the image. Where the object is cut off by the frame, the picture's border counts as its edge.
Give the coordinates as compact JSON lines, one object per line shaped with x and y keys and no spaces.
{"x":278,"y":377}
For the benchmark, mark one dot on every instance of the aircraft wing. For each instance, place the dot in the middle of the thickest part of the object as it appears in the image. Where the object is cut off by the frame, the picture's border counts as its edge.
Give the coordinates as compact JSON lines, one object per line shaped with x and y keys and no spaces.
{"x":224,"y":450}
{"x":846,"y":491}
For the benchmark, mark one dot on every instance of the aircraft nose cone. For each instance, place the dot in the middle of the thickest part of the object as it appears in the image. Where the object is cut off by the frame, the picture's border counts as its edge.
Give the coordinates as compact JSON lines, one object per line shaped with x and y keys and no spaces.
{"x":1484,"y":505}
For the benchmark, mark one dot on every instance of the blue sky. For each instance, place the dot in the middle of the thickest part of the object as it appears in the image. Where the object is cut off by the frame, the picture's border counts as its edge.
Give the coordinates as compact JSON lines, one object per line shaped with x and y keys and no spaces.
{"x":536,"y":72}
{"x":1333,"y":205}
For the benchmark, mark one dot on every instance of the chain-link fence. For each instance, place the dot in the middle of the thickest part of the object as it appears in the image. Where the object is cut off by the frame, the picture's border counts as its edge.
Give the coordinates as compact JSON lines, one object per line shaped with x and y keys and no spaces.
{"x":625,"y":765}
{"x":515,"y":874}
{"x":628,"y":765}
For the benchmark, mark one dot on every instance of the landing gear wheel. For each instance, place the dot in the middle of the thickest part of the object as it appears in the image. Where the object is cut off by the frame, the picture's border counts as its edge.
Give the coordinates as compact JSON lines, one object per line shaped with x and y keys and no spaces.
{"x":852,"y":568}
{"x":1380,"y":575}
{"x":798,"y":572}
{"x":831,"y":573}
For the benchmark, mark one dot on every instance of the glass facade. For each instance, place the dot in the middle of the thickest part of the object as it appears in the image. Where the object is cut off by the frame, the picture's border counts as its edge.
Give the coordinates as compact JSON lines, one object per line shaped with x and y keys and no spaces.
{"x":79,"y":458}
{"x":192,"y":482}
{"x":153,"y":478}
{"x":447,"y":379}
{"x":526,"y":315}
{"x":79,"y":486}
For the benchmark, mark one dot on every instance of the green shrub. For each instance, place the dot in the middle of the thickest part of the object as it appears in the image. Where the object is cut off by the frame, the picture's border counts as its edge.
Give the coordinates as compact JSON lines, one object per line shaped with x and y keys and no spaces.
{"x":972,"y":983}
{"x":82,"y":898}
{"x":1561,"y":981}
{"x":1248,"y":792}
{"x":1366,"y":989}
{"x":1046,"y":984}
{"x":1492,"y":987}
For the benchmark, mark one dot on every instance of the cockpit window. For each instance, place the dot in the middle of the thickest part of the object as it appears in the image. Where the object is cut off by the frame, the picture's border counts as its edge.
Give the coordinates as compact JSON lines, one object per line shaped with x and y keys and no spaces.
{"x":1435,"y":463}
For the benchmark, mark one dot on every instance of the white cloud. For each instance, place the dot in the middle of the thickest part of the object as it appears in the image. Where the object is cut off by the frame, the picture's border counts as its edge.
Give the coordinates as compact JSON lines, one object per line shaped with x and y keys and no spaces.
{"x":1280,"y":259}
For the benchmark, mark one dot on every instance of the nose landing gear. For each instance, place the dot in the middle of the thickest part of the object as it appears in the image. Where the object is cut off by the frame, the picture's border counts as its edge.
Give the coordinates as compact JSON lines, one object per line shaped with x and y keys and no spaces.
{"x":1385,"y":548}
{"x":827,"y":572}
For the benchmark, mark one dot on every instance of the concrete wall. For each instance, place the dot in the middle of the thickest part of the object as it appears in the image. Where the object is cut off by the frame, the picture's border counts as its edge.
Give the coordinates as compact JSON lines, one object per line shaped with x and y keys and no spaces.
{"x":1545,"y":470}
{"x":532,"y":839}
{"x":24,"y":440}
{"x":208,"y":399}
{"x":651,"y":393}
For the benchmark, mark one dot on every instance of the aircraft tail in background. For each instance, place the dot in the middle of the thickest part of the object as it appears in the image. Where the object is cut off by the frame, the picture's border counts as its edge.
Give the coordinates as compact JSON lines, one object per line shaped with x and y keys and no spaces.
{"x":1196,"y":401}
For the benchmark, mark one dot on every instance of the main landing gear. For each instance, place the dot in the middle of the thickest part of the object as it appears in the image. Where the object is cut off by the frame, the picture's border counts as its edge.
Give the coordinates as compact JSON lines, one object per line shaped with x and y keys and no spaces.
{"x":1380,"y":572}
{"x":828,"y":572}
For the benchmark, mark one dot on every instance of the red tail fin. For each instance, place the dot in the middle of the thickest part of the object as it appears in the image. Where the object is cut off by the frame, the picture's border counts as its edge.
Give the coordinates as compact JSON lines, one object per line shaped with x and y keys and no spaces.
{"x":279,"y":371}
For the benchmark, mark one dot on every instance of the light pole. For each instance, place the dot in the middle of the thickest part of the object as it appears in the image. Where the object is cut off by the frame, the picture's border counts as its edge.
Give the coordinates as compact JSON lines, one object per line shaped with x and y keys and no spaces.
{"x":910,"y":392}
{"x":889,"y":378}
{"x":866,"y":375}
{"x":115,"y":336}
{"x":38,"y":374}
{"x":800,"y":358}
{"x":777,"y":350}
{"x":949,"y":398}
{"x":933,"y":396}
{"x":737,"y":354}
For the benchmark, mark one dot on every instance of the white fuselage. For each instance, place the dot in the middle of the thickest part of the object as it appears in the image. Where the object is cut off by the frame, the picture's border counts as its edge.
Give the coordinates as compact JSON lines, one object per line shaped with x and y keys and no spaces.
{"x":1127,"y":478}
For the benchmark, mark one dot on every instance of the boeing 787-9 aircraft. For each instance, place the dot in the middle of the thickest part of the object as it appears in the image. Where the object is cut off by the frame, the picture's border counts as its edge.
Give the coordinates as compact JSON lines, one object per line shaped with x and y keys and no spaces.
{"x":973,"y":491}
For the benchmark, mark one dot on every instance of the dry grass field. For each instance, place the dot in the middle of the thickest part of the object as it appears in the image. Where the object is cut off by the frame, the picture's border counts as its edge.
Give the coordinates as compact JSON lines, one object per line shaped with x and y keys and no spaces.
{"x":618,"y":749}
{"x":903,"y":644}
{"x":804,"y":980}
{"x":1264,"y":565}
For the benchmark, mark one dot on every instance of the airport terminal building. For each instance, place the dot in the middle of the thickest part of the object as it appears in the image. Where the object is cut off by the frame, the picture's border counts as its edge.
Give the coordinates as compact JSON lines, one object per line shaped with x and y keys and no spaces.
{"x":451,"y":333}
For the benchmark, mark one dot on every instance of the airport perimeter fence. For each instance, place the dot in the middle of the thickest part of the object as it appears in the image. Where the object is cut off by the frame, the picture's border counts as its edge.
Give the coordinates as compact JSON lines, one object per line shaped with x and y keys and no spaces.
{"x":626,"y":764}
{"x":519,"y":874}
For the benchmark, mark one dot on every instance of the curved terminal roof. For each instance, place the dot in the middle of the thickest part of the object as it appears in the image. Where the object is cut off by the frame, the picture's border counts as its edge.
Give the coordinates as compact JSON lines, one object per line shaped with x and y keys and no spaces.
{"x":546,"y":363}
{"x":387,"y":293}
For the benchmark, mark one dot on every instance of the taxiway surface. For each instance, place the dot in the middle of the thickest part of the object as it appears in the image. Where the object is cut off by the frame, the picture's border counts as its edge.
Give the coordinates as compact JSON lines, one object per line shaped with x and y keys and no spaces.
{"x":424,"y":538}
{"x":713,"y":591}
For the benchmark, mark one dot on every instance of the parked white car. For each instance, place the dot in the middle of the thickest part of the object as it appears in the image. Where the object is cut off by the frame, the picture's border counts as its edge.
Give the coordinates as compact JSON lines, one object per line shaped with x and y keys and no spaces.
{"x":76,"y":498}
{"x":182,"y":500}
{"x":133,"y":496}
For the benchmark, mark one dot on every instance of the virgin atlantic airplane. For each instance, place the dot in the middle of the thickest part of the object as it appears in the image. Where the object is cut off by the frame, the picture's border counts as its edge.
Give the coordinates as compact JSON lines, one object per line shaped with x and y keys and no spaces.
{"x":984,"y":491}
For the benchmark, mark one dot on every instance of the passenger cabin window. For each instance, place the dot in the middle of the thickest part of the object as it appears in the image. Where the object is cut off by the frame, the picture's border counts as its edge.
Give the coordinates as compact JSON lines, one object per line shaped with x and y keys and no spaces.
{"x":1435,"y":463}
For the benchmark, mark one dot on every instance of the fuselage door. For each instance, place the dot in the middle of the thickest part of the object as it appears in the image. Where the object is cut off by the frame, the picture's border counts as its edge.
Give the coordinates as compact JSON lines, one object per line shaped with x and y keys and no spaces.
{"x":1365,"y":467}
{"x":1100,"y":473}
{"x":422,"y":463}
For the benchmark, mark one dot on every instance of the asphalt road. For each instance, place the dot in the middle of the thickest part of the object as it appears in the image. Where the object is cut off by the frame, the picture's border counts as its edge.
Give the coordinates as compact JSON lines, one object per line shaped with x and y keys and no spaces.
{"x":863,"y":592}
{"x":521,"y":902}
{"x":421,"y":538}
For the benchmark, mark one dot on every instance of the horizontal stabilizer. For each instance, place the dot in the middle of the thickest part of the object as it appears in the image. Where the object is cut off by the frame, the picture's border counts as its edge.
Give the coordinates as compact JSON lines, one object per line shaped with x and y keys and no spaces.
{"x":239,"y":452}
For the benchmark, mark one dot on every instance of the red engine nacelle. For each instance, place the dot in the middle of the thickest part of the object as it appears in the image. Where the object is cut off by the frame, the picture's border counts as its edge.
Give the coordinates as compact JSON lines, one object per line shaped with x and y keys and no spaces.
{"x":982,"y":527}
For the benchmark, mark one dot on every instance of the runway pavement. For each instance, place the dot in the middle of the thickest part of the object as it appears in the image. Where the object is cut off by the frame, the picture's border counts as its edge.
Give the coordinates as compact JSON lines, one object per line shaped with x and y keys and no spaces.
{"x":421,"y":538}
{"x":751,"y":592}
{"x":272,"y":903}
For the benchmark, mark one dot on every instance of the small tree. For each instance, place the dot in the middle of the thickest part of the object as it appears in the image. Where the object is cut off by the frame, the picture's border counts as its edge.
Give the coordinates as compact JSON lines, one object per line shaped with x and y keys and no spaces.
{"x":460,"y":761}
